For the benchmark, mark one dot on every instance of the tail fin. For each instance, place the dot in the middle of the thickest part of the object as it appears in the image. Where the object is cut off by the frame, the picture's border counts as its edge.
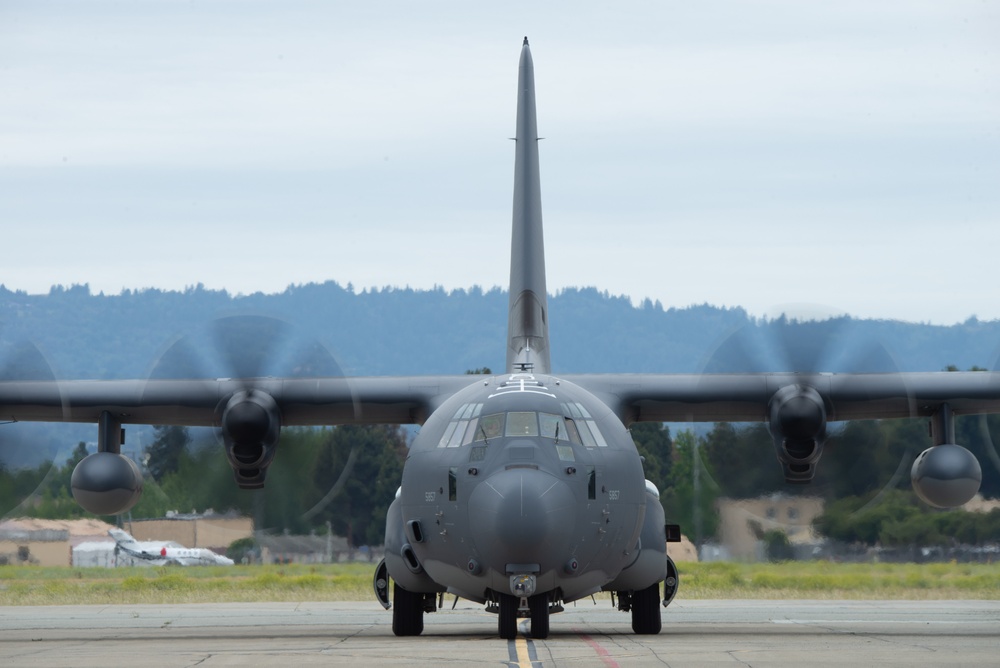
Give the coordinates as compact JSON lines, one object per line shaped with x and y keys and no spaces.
{"x":527,"y":324}
{"x":120,"y":536}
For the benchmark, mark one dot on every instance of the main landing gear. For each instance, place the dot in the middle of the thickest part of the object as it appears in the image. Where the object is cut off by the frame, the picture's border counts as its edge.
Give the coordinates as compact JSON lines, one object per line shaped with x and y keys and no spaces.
{"x":408,"y":610}
{"x":646,"y":610}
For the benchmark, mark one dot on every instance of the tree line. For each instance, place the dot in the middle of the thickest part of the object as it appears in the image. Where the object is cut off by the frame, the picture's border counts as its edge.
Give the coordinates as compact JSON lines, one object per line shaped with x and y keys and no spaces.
{"x":863,"y":476}
{"x":346,"y":477}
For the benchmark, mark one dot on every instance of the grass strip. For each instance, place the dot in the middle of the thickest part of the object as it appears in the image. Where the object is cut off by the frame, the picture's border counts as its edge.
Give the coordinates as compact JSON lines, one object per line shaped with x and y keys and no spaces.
{"x":32,"y":585}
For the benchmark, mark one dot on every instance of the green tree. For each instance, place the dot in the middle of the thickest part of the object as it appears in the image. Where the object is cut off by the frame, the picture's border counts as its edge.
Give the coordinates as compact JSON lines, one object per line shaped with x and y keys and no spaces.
{"x":166,"y":449}
{"x":682,"y":502}
{"x":743,"y":462}
{"x":359,"y":510}
{"x":981,"y":435}
{"x":21,"y":488}
{"x":291,"y":489}
{"x":861,"y":519}
{"x":896,"y":518}
{"x":241,"y":548}
{"x":77,"y":456}
{"x":866,"y":456}
{"x":777,"y":546}
{"x":201,"y":480}
{"x":652,"y":440}
{"x":51,"y":497}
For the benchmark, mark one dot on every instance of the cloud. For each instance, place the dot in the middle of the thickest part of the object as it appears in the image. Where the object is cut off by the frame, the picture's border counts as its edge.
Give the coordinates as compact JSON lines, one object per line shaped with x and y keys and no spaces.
{"x":745,"y":153}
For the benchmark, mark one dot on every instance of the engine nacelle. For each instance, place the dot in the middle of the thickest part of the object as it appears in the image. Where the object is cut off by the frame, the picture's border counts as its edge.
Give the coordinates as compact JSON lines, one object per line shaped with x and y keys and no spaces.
{"x":797,"y":422}
{"x":106,"y":483}
{"x":946,"y":476}
{"x":251,"y":424}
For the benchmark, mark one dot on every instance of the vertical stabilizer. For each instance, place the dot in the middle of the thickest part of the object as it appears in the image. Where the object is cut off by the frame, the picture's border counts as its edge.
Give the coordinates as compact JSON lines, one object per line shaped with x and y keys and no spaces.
{"x":121,"y":537}
{"x":528,"y":319}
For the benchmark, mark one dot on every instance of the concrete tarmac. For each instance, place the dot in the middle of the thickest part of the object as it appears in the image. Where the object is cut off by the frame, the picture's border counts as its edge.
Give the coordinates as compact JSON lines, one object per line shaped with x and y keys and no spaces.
{"x":695,"y":633}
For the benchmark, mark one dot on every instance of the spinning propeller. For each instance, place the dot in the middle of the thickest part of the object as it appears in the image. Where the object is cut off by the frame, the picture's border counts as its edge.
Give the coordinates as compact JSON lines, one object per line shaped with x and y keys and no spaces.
{"x":249,"y":349}
{"x":810,"y":342}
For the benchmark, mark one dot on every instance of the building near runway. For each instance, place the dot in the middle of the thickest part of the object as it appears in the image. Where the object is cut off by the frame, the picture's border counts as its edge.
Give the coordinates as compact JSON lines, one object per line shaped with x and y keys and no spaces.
{"x":743,"y":521}
{"x":210,"y":530}
{"x":41,"y":542}
{"x":85,"y":542}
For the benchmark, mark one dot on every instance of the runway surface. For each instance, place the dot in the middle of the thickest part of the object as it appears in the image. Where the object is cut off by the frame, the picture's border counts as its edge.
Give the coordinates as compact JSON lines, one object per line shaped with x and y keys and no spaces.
{"x":695,"y":633}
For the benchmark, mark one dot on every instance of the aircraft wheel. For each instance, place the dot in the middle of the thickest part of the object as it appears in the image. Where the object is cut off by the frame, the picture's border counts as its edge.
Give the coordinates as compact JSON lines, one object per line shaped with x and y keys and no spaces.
{"x":539,"y":606}
{"x":407,"y":612}
{"x":507,"y":619}
{"x":646,"y":610}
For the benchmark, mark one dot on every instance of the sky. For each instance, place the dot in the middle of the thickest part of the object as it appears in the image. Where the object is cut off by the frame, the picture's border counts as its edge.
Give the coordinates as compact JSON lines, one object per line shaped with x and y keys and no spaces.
{"x":780,"y":156}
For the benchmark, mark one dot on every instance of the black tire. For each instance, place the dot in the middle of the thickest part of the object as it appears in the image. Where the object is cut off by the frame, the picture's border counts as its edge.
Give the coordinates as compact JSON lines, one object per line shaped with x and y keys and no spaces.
{"x":407,"y":612}
{"x":646,"y":610}
{"x":507,"y":619}
{"x":539,"y":606}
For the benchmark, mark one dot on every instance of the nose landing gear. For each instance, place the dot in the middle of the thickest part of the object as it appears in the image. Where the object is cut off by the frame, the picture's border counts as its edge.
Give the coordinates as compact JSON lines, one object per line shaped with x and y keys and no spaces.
{"x":536,"y":608}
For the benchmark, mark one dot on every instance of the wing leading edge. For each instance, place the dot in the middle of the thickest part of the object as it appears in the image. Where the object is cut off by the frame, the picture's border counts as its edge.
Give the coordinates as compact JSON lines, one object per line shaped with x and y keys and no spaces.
{"x":195,"y":402}
{"x":747,"y":397}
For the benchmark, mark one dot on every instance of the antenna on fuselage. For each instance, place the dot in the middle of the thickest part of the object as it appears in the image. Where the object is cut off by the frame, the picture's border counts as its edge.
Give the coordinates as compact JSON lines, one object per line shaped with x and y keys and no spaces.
{"x":527,"y":320}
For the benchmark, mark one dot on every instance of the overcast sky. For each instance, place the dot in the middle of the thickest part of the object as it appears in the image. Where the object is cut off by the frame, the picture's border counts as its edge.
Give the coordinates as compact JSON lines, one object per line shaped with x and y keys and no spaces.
{"x":751,"y":153}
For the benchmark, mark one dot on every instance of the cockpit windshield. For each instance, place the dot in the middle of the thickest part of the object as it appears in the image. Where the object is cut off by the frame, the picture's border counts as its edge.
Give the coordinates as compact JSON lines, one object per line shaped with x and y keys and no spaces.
{"x":576,"y":426}
{"x":553,"y":426}
{"x":522,"y":424}
{"x":492,"y":427}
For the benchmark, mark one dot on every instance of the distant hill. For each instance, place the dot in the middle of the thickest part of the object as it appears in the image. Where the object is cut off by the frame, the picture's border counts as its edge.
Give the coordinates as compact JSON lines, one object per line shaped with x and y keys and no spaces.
{"x":404,"y":331}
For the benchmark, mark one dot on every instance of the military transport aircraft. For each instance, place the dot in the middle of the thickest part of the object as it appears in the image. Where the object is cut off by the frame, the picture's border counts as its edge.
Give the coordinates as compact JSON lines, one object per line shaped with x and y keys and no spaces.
{"x":164,"y":552}
{"x":522,"y":491}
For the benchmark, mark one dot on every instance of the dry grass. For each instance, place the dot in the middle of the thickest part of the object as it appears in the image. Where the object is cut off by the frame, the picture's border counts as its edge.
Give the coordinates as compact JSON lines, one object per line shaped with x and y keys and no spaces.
{"x":29,"y":585}
{"x":823,"y":580}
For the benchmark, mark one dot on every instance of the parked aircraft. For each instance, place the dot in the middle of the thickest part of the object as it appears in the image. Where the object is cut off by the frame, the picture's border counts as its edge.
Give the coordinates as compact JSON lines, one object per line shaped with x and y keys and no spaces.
{"x":164,"y":553}
{"x":523,"y":491}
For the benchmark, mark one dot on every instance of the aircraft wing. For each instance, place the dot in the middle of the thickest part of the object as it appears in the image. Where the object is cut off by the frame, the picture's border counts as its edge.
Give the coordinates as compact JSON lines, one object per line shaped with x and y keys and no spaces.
{"x":798,"y":407}
{"x":409,"y":400}
{"x":750,"y":397}
{"x":301,"y":401}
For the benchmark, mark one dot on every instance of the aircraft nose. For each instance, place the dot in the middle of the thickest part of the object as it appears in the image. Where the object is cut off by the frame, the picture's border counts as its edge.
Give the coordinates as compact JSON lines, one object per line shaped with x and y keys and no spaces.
{"x":522,"y":515}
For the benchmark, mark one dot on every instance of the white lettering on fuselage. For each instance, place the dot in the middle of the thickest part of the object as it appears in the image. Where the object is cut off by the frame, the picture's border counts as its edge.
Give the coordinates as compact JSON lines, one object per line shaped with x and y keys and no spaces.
{"x":521,"y":383}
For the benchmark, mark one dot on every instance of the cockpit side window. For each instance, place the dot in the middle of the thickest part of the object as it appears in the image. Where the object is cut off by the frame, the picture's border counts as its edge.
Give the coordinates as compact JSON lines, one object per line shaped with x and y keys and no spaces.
{"x":522,"y":424}
{"x":456,"y":437}
{"x":447,"y":434}
{"x":583,"y":428}
{"x":471,"y":431}
{"x":574,"y":433}
{"x":588,"y":438}
{"x":462,"y":426}
{"x":598,"y":436}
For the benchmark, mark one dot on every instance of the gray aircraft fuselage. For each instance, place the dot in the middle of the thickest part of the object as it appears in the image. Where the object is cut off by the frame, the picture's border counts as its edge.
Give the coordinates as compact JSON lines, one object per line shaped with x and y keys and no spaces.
{"x":522,"y":475}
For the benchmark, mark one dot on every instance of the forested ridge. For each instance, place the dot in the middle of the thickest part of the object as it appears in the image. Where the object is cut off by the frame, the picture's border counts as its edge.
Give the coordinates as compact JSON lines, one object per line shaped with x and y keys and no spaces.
{"x":400,"y":331}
